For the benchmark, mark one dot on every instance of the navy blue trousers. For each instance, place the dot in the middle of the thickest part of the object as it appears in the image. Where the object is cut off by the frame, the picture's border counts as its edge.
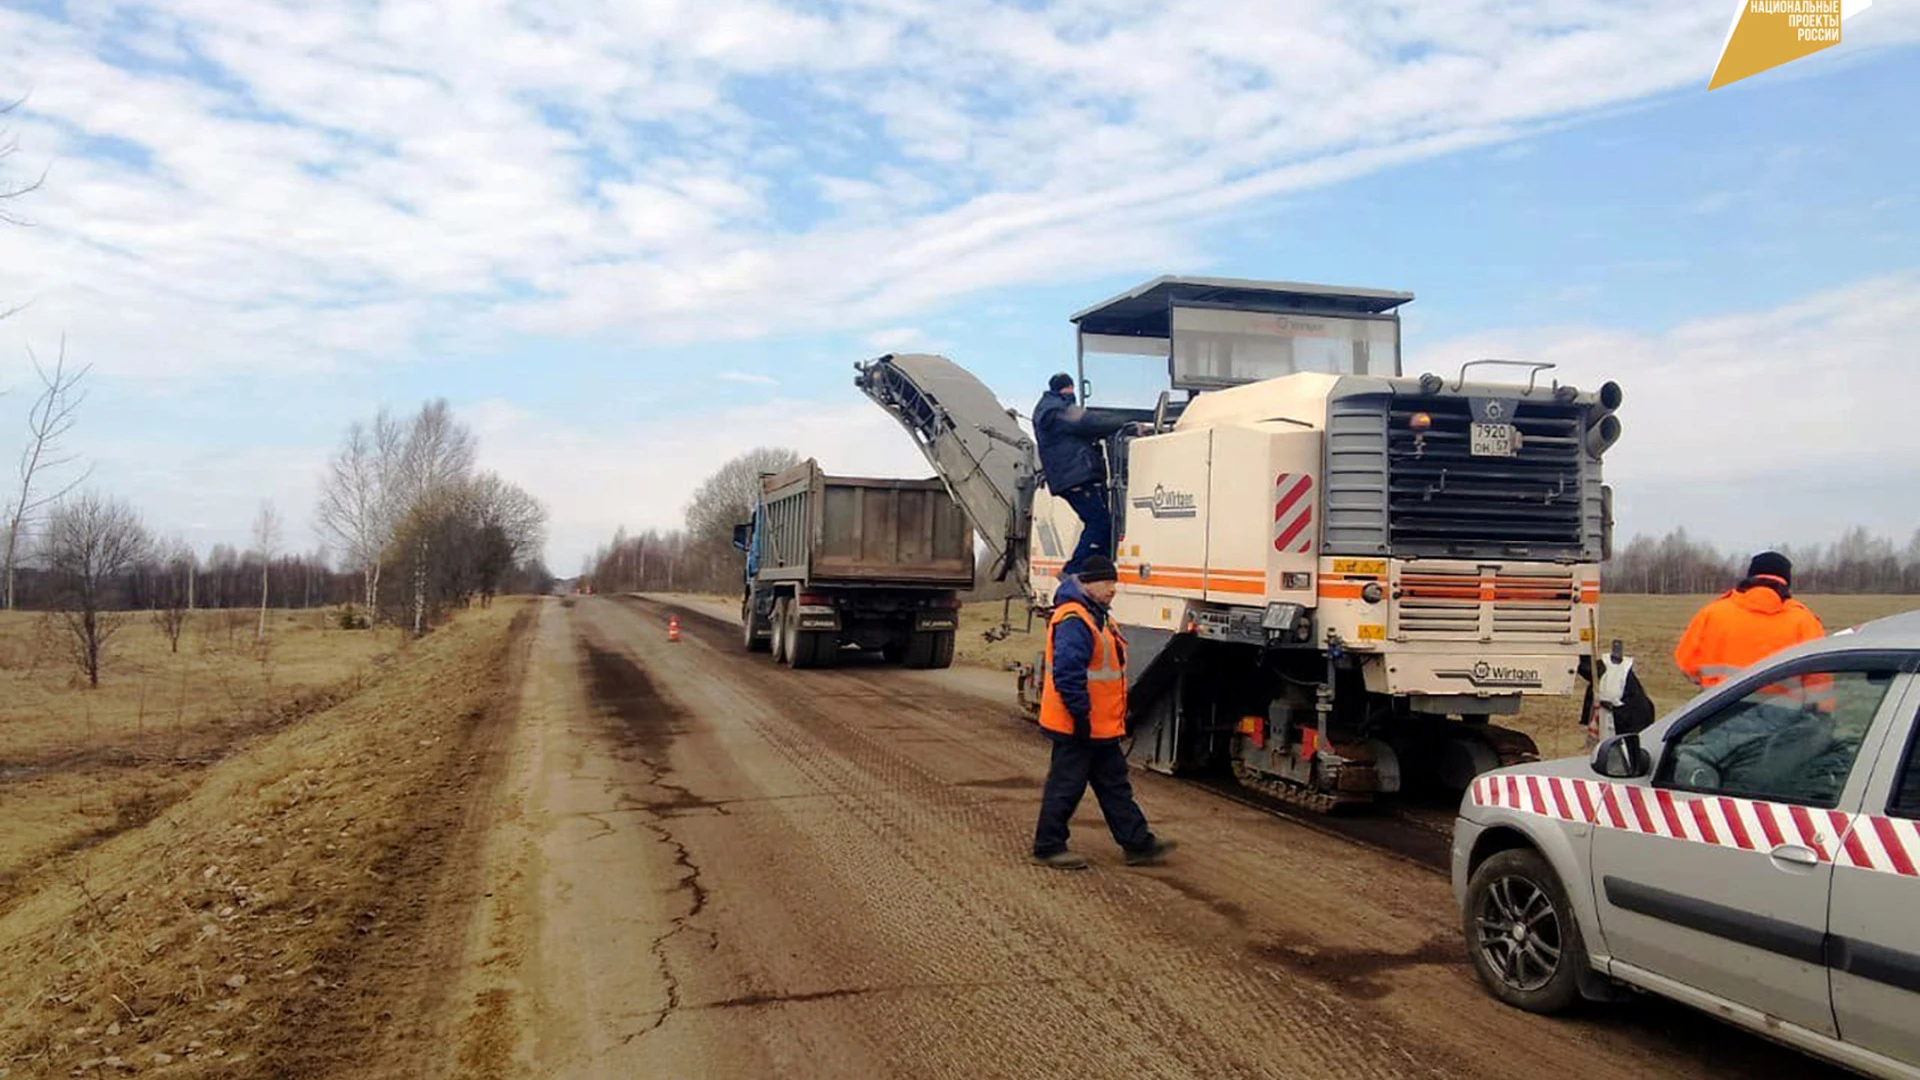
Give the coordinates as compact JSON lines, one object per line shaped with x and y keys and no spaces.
{"x":1089,"y":501}
{"x":1075,"y":766}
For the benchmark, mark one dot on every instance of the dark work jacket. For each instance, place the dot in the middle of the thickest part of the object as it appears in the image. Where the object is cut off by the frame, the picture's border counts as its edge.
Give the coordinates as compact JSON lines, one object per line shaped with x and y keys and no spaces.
{"x":1066,"y":434}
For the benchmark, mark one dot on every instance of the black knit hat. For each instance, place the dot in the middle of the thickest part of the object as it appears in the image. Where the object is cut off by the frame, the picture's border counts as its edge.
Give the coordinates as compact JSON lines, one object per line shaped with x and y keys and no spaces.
{"x":1098,"y":568}
{"x":1059,"y":382}
{"x":1771,"y":564}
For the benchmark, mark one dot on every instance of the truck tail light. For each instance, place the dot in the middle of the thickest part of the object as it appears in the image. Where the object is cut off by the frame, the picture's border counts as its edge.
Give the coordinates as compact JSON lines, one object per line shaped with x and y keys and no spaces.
{"x":815,"y":600}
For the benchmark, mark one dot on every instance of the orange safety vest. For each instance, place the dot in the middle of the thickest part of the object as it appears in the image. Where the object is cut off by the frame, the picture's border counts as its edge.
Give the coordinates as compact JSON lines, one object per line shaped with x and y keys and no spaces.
{"x":1106,"y":678}
{"x":1741,"y":629}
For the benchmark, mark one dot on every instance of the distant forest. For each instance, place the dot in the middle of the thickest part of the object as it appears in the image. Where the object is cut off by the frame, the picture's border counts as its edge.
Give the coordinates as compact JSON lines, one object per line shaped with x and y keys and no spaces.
{"x":1857,"y":563}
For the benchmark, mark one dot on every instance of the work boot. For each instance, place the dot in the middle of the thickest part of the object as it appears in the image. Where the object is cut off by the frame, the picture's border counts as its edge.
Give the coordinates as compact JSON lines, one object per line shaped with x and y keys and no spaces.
{"x":1153,"y":854}
{"x":1061,"y":860}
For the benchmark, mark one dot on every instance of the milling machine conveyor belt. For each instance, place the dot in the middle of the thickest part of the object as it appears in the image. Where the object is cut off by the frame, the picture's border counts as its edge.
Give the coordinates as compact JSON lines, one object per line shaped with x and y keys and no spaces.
{"x":974,"y":443}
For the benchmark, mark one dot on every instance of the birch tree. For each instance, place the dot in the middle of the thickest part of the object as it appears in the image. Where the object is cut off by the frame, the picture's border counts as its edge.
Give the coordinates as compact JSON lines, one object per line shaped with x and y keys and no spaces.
{"x":55,"y":410}
{"x":438,"y":454}
{"x":266,"y":538}
{"x":362,"y":496}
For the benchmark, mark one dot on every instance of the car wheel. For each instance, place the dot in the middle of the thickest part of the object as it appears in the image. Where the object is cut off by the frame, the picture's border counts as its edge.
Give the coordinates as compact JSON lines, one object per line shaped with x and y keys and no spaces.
{"x":1521,"y":934}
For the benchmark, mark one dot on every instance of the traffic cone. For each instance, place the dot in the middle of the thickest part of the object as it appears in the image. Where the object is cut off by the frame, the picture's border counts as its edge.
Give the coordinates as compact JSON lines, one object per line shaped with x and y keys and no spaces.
{"x":673,"y":628}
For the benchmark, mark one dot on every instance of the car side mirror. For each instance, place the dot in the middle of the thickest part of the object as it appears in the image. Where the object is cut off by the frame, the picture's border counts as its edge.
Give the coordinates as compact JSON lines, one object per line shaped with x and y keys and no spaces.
{"x":741,"y":535}
{"x":1621,"y":757}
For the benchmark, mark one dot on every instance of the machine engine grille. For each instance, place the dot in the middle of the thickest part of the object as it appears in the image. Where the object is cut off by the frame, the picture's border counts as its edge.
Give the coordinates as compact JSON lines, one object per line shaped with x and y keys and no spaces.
{"x":1444,"y":500}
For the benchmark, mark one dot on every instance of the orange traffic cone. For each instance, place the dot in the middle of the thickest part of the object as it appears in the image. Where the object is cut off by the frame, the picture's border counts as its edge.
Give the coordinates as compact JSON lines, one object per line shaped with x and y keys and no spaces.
{"x":673,"y":628}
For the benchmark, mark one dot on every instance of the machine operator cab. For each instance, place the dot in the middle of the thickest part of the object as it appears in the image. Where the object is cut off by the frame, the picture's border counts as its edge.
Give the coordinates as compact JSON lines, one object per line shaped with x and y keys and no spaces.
{"x":1149,"y":352}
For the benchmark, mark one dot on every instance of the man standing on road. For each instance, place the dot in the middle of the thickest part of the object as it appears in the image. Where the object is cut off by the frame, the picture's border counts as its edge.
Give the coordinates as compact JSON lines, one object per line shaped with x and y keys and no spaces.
{"x":1754,"y":620}
{"x":1083,"y":708}
{"x":1067,"y":434}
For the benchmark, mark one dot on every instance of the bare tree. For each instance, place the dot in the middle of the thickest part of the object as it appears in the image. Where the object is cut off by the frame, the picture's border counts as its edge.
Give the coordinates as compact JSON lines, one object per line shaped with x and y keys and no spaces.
{"x":55,"y":410}
{"x":91,"y":540}
{"x":362,"y":497}
{"x":174,"y":597}
{"x":723,"y":499}
{"x":266,"y":539}
{"x":510,"y":528}
{"x":12,"y":190}
{"x":438,"y":455}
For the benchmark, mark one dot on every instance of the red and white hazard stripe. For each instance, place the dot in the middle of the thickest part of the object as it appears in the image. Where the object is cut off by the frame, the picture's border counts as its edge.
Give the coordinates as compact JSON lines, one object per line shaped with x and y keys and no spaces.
{"x":1865,"y":842}
{"x":1293,"y":513}
{"x":1889,"y":845}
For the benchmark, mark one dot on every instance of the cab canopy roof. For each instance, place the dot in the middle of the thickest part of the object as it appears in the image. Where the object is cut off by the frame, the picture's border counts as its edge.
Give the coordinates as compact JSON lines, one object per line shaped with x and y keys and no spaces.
{"x":1147,"y":310}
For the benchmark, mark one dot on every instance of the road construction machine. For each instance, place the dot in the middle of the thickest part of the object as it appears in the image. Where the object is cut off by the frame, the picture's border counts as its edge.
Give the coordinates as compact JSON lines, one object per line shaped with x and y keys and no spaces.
{"x":1333,"y":577}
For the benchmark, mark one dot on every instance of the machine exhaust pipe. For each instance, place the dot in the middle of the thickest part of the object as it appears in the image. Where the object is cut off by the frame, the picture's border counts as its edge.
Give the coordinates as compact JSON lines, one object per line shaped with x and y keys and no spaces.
{"x":1609,"y":399}
{"x":1603,"y":428}
{"x":1603,"y":435}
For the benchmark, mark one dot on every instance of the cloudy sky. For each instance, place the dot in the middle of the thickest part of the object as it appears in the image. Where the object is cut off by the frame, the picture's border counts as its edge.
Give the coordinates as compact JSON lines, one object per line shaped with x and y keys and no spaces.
{"x":630,"y":238}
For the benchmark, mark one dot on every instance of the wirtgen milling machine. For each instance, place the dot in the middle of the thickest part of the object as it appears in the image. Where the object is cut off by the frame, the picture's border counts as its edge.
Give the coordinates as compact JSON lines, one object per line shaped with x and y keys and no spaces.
{"x":1332,"y":576}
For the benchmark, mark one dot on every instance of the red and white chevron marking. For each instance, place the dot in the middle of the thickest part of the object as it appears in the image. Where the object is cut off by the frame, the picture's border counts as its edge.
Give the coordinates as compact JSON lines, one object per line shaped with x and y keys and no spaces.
{"x":1863,"y":841}
{"x":1293,"y":513}
{"x":1889,"y":845}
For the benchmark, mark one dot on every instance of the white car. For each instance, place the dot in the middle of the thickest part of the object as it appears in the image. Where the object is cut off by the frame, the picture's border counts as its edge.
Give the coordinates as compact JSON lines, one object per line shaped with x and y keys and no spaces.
{"x":1755,"y":854}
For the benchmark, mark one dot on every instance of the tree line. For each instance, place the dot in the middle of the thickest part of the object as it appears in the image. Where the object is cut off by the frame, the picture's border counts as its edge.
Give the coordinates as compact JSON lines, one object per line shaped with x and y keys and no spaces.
{"x":422,"y":531}
{"x":1857,"y":563}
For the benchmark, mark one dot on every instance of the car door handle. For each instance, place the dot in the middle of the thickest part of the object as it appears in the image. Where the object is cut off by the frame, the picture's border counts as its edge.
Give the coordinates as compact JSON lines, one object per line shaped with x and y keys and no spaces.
{"x":1796,"y":854}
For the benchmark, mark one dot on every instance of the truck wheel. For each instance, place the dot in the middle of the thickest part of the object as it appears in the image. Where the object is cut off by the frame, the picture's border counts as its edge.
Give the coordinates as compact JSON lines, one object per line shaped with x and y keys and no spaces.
{"x":1522,"y":937}
{"x":752,"y":642}
{"x":932,"y":649}
{"x":815,"y":649}
{"x":779,"y":645}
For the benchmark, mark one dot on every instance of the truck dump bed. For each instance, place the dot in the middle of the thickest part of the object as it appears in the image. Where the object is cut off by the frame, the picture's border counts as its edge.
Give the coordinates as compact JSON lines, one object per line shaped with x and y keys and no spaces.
{"x":858,"y":530}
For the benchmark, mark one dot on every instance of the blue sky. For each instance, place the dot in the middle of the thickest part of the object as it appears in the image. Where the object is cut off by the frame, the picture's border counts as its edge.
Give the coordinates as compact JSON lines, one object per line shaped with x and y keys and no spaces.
{"x":630,"y":240}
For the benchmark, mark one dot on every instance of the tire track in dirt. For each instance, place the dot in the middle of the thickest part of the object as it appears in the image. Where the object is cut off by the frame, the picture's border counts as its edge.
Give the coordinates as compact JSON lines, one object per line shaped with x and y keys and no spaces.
{"x":399,"y":1024}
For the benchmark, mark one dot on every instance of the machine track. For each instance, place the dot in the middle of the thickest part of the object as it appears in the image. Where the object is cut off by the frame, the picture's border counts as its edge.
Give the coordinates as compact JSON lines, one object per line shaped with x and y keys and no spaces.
{"x":1314,"y":802}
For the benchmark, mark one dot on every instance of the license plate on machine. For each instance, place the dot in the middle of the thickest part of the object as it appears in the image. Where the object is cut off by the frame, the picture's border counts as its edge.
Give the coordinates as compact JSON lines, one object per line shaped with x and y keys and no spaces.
{"x":1491,"y":440}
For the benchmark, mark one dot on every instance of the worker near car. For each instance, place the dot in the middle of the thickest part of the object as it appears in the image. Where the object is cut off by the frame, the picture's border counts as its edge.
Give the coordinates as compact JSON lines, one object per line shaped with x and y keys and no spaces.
{"x":1083,"y":710}
{"x":1070,"y":458}
{"x":1750,"y":622}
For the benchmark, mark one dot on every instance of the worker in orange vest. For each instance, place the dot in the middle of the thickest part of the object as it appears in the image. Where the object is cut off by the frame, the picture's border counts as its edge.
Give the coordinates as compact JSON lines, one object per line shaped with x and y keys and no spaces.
{"x":1083,"y":709}
{"x":1754,"y":620}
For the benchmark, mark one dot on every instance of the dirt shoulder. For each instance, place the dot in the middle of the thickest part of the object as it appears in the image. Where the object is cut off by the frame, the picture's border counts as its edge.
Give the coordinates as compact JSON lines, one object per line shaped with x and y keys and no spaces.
{"x":295,"y":914}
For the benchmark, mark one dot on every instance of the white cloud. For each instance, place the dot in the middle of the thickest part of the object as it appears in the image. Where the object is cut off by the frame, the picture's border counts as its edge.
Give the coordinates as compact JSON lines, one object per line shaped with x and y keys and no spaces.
{"x":894,"y":339}
{"x":1787,"y":424}
{"x":360,"y":178}
{"x":747,"y":377}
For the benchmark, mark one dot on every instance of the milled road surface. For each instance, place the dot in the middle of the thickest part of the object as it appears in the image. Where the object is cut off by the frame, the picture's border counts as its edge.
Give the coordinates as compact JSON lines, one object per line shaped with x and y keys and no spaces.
{"x":709,"y":865}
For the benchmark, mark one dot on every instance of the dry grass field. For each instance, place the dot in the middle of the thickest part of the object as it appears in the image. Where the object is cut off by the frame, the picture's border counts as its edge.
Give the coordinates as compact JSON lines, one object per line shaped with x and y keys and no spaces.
{"x":205,"y":855}
{"x":78,"y":766}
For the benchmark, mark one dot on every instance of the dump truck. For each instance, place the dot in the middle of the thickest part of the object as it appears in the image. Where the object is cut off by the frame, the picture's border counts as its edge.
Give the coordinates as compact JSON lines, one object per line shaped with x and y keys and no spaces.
{"x":1333,"y":576}
{"x":838,"y":563}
